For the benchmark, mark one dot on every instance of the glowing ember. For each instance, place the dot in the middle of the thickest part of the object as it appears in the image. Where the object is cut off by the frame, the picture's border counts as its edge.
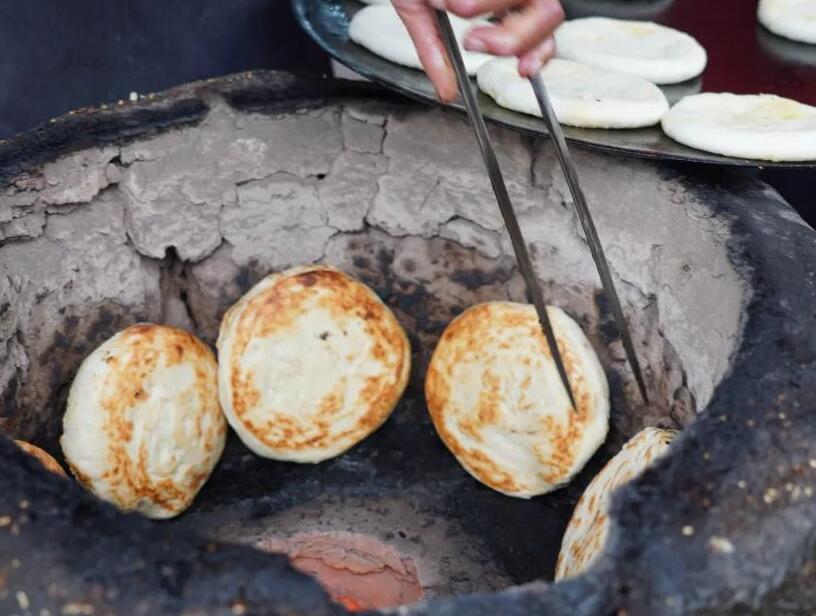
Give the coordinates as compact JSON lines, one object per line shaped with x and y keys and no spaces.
{"x":359,"y":572}
{"x":350,"y":603}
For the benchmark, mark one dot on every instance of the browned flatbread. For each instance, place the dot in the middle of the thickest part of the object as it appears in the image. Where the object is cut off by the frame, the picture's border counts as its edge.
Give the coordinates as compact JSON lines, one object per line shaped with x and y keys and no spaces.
{"x":311,"y":362}
{"x":45,"y":458}
{"x":143,"y":427}
{"x":498,"y":403}
{"x":586,"y":533}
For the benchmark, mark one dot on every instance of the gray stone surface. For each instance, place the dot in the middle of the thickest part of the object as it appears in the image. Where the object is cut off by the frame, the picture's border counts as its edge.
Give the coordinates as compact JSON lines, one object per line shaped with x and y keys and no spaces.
{"x":268,"y":192}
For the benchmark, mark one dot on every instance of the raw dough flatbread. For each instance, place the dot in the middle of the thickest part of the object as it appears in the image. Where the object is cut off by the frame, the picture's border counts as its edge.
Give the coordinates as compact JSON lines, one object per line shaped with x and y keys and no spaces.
{"x":581,"y":95}
{"x":498,"y":404}
{"x":379,"y":29}
{"x":793,"y":19}
{"x":657,"y":53}
{"x":759,"y":126}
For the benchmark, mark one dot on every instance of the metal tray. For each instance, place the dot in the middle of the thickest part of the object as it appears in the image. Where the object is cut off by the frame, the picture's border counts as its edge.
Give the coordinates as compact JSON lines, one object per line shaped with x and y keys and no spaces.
{"x":326,"y":21}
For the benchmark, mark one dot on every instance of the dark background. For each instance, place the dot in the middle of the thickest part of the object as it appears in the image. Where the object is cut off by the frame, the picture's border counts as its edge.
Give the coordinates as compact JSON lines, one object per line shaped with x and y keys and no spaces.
{"x":58,"y":55}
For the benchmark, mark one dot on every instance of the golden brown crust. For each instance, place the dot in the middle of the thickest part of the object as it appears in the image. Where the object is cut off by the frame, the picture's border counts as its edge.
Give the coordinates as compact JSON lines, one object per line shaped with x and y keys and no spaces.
{"x":480,"y":330}
{"x":45,"y":458}
{"x":586,"y":533}
{"x":275,"y":310}
{"x":151,"y":346}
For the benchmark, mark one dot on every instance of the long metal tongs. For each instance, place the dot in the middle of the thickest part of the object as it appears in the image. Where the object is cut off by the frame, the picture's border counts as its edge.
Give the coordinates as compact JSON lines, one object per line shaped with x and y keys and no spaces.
{"x":595,"y":247}
{"x":509,"y":216}
{"x":500,"y":190}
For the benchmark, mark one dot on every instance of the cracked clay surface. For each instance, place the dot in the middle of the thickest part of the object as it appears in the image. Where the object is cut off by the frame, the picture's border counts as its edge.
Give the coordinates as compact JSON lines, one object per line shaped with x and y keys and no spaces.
{"x":175,"y":227}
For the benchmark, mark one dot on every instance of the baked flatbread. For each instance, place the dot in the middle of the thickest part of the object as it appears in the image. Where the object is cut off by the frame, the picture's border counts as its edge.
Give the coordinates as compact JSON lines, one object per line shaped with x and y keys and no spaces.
{"x":143,"y":428}
{"x":497,"y":401}
{"x":44,"y":458}
{"x":310,"y":363}
{"x":586,"y":533}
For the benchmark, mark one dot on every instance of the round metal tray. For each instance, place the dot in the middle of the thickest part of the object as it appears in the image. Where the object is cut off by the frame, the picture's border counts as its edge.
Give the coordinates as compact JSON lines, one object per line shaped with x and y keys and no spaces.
{"x":327,"y":21}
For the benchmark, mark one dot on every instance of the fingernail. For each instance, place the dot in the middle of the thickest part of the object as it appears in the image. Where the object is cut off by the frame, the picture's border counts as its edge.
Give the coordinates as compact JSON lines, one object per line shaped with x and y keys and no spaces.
{"x":473,"y":43}
{"x":439,"y":5}
{"x":529,"y":66}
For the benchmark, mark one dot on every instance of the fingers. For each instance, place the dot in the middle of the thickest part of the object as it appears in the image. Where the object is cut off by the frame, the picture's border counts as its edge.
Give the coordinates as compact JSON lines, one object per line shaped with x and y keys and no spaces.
{"x":519,"y":31}
{"x":533,"y":60}
{"x":525,"y":32}
{"x":420,"y":20}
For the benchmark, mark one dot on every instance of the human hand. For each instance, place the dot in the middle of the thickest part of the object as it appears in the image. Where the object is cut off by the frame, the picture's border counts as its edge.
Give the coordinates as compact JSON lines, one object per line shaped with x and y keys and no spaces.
{"x":524,"y":29}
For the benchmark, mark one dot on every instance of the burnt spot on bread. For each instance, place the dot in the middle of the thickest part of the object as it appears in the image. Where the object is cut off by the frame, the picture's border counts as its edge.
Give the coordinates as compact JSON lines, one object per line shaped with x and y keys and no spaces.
{"x":309,"y":279}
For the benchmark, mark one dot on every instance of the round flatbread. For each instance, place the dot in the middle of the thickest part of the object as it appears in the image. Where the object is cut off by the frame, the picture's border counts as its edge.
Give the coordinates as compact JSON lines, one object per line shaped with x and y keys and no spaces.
{"x":310,"y":363}
{"x":43,"y":457}
{"x":793,"y":19}
{"x":498,"y":403}
{"x":757,"y":126}
{"x":586,"y":533}
{"x":143,"y":428}
{"x":656,"y":53}
{"x":380,"y":30}
{"x":582,"y":95}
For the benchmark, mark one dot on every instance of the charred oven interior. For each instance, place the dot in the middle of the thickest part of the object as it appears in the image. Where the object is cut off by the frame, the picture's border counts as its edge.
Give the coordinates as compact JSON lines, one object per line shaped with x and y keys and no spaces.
{"x":175,"y":226}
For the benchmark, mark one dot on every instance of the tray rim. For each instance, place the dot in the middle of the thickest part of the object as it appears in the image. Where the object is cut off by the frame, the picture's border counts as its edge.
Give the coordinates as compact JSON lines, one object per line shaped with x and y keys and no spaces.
{"x":694,"y":156}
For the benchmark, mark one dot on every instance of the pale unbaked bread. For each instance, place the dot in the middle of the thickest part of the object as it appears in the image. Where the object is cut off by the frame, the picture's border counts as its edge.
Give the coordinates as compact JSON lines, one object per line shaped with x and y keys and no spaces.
{"x":793,"y":19}
{"x":311,"y":362}
{"x":143,"y":428}
{"x":380,"y":30}
{"x":42,"y":456}
{"x":758,"y":126}
{"x":586,"y":533}
{"x":497,"y":401}
{"x":651,"y":51}
{"x":582,"y":95}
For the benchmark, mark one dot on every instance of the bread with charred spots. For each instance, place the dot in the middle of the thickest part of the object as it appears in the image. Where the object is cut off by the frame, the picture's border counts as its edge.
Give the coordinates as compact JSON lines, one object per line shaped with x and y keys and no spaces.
{"x":311,"y":362}
{"x":497,"y":401}
{"x":143,"y":427}
{"x":586,"y":533}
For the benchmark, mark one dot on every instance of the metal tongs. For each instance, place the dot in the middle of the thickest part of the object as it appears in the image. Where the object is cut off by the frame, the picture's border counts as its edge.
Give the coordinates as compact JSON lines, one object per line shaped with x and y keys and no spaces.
{"x":509,"y":215}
